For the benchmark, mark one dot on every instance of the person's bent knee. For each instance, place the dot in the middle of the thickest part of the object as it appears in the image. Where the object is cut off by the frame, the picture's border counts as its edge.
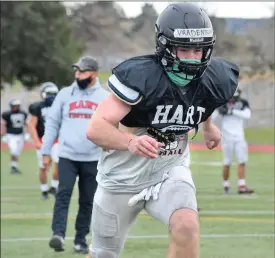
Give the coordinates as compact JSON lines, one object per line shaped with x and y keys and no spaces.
{"x":242,"y":163}
{"x":227,"y":165}
{"x":15,"y":154}
{"x":184,"y":225}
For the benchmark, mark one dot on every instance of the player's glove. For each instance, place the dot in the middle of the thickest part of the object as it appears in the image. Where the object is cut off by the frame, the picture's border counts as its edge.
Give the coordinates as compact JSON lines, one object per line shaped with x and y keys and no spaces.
{"x":223,"y":110}
{"x":147,"y":193}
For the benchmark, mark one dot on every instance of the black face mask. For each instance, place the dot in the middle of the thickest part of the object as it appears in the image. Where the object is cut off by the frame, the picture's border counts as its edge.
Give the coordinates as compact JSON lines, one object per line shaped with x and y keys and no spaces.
{"x":49,"y":100}
{"x":83,"y":84}
{"x":15,"y":109}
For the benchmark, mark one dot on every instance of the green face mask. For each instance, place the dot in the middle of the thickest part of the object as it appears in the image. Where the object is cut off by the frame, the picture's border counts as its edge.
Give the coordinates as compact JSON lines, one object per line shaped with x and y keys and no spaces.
{"x":180,"y":78}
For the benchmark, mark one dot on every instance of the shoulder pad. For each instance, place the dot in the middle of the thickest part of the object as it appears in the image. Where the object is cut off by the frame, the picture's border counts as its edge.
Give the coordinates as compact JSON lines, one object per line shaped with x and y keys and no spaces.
{"x":141,"y":74}
{"x":221,"y":78}
{"x":5,"y":115}
{"x":34,"y":107}
{"x":123,"y":92}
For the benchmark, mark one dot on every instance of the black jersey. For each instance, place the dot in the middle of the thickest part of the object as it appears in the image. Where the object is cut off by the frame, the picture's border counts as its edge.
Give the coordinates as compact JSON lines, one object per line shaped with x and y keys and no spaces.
{"x":234,"y":103}
{"x":15,"y":121}
{"x":40,"y":110}
{"x":166,"y":106}
{"x":239,"y":103}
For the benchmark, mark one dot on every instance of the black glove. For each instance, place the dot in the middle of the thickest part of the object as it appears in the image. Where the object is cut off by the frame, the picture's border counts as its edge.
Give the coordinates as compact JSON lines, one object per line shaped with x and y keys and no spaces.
{"x":223,"y":110}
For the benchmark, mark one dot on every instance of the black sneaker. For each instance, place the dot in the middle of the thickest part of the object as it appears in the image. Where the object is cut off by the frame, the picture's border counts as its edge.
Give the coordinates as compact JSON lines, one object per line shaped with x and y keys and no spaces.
{"x":15,"y":170}
{"x":52,"y":191}
{"x":44,"y":195}
{"x":226,"y":190}
{"x":245,"y":190}
{"x":83,"y":249}
{"x":57,"y":243}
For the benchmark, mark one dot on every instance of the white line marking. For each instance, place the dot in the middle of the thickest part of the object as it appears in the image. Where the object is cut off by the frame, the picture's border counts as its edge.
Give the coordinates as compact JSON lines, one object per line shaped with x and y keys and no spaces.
{"x":245,"y":212}
{"x":209,"y":212}
{"x":146,"y":237}
{"x":227,"y":196}
{"x":31,"y":187}
{"x":3,"y":188}
{"x":217,"y":163}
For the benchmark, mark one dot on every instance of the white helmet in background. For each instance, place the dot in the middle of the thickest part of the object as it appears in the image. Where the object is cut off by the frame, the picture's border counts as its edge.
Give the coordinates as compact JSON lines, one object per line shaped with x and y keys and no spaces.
{"x":48,"y":92}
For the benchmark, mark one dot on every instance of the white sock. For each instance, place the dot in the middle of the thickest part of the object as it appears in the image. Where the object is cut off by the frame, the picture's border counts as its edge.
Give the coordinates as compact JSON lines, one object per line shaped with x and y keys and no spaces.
{"x":14,"y":164}
{"x":226,"y":183}
{"x":54,"y":183}
{"x":241,"y":182}
{"x":44,"y":188}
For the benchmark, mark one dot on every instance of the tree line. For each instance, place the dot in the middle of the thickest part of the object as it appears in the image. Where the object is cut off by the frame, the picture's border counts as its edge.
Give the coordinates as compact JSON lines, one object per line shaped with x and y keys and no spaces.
{"x":37,"y":43}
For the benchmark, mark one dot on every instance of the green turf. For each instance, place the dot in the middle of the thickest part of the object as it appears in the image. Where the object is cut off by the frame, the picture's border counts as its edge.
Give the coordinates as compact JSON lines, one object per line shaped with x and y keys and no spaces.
{"x":104,"y":76}
{"x":24,"y":215}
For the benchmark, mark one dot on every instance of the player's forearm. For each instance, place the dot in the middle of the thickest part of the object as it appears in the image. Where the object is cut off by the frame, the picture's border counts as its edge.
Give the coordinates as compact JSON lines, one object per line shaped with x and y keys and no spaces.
{"x":107,"y":136}
{"x":3,"y":130}
{"x":206,"y":124}
{"x":33,"y":132}
{"x":50,"y":135}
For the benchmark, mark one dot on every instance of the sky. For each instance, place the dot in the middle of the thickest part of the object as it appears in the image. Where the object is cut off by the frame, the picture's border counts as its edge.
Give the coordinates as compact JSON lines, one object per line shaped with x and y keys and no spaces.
{"x":219,"y":9}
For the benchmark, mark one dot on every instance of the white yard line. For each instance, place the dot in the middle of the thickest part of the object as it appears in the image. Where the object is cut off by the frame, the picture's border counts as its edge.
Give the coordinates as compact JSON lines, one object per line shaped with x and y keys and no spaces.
{"x":4,"y":188}
{"x":7,"y":198}
{"x":240,"y":212}
{"x":7,"y":240}
{"x":227,"y":196}
{"x":215,"y":163}
{"x":208,"y":212}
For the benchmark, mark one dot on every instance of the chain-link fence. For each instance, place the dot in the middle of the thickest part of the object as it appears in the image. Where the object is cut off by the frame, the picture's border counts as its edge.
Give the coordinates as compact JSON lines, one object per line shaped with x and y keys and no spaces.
{"x":260,"y":95}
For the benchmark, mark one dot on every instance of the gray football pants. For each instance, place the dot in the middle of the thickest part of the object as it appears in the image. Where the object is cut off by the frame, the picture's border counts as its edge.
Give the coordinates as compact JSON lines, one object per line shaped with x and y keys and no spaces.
{"x":112,"y":217}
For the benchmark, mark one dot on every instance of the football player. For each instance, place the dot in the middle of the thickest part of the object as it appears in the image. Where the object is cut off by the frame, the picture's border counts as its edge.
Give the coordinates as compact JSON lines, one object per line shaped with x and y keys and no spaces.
{"x":233,"y":114}
{"x":36,"y":124}
{"x":12,"y":126}
{"x":143,"y":130}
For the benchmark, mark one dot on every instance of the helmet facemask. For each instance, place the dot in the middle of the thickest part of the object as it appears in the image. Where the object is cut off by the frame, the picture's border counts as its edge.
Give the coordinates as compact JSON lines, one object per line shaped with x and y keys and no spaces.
{"x":48,"y":93}
{"x":15,"y":105}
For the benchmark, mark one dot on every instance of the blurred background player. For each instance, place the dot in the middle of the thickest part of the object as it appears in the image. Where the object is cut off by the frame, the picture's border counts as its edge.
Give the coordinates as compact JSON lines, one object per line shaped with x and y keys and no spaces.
{"x":233,"y":141}
{"x":36,"y":125}
{"x":13,"y":122}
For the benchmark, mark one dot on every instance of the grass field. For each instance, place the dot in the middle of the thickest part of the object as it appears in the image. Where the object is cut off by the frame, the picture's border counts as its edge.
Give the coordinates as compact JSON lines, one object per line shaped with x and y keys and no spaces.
{"x":232,"y":226}
{"x":259,"y":135}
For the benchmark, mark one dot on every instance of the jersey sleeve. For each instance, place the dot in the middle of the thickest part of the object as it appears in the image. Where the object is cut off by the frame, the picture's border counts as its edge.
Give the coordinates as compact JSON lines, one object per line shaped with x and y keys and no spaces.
{"x":221,"y":79}
{"x":33,"y":109}
{"x":5,"y":116}
{"x":136,"y":79}
{"x":123,"y":92}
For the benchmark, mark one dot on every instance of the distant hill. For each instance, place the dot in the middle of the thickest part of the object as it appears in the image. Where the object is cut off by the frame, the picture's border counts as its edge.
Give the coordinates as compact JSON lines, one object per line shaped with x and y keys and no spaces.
{"x":112,"y":37}
{"x":239,"y":25}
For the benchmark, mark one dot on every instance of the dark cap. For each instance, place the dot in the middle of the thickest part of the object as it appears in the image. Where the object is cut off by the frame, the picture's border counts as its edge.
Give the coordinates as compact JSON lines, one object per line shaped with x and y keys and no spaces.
{"x":86,"y":63}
